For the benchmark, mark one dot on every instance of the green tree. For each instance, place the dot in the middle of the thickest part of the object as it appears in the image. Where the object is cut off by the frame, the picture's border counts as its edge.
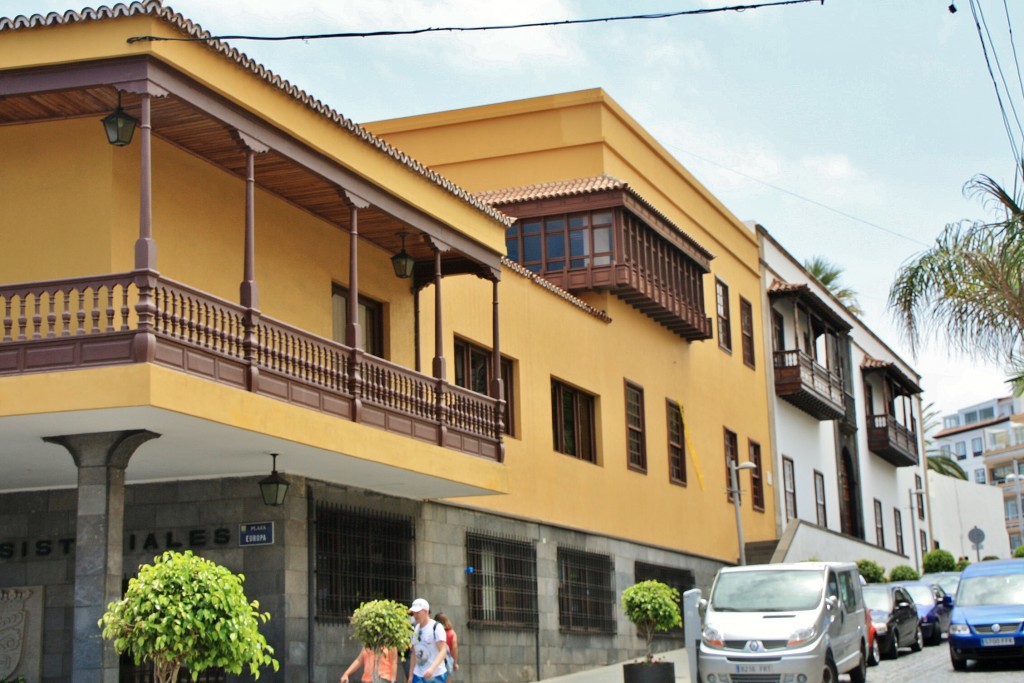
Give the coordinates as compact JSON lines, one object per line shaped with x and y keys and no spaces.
{"x":381,"y":625}
{"x":871,"y":571}
{"x":184,"y":610}
{"x":903,"y":572}
{"x":967,"y":288}
{"x":651,"y":606}
{"x":938,"y":560}
{"x":962,"y":564}
{"x":830,"y":276}
{"x":1019,"y":552}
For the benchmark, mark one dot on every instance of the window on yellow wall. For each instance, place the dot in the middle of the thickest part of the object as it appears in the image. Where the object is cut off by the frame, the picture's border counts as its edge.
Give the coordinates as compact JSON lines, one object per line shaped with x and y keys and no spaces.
{"x":474,"y":370}
{"x":572,"y":421}
{"x":756,"y":476}
{"x":724,"y":322}
{"x":676,"y":444}
{"x":732,"y":458}
{"x":635,"y":439}
{"x":371,"y":321}
{"x":747,"y":331}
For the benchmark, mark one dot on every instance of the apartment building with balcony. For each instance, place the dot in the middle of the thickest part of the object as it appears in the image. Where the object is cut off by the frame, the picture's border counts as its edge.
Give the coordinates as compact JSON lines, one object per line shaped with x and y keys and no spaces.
{"x":252,"y":273}
{"x":846,"y":410}
{"x":987,"y":440}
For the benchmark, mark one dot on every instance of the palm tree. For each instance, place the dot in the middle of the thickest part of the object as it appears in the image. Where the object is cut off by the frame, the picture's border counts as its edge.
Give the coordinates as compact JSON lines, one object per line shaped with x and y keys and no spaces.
{"x":969,"y":287}
{"x":946,"y":466}
{"x":937,"y":462}
{"x":829,"y":274}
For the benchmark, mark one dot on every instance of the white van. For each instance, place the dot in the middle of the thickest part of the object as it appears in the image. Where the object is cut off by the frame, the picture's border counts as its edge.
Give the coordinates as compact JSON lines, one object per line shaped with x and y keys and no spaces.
{"x":801,"y":622}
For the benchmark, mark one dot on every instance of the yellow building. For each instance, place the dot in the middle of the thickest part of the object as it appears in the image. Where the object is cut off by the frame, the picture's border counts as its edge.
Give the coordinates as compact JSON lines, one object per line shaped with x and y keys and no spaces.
{"x":608,"y":215}
{"x":228,"y":269}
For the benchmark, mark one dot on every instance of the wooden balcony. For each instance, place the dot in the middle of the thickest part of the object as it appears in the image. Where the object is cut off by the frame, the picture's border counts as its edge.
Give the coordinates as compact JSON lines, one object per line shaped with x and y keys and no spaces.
{"x":892,"y":441}
{"x":812,"y":388}
{"x":139,"y":317}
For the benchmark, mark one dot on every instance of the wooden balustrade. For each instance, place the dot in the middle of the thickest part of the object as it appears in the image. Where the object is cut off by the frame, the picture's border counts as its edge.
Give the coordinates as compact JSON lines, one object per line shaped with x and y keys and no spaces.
{"x":94,"y":321}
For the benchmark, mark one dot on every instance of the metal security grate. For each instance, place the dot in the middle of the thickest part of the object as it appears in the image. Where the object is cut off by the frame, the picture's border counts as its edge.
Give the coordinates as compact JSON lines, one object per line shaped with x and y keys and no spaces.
{"x":361,"y":556}
{"x":502,"y":581}
{"x":586,"y":600}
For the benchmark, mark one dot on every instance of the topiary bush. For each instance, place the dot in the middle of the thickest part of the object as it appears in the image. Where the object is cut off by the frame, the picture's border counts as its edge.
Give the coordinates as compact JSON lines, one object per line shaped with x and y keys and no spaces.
{"x":183,"y":610}
{"x":651,"y":606}
{"x":903,"y":572}
{"x":381,"y":625}
{"x":1019,"y":552}
{"x":961,"y":564}
{"x":938,"y":560}
{"x":871,"y":571}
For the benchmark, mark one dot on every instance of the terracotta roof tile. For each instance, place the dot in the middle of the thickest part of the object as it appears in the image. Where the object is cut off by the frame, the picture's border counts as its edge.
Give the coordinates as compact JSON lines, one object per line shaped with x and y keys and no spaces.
{"x":554,"y":289}
{"x":870,"y":363}
{"x":194,"y":30}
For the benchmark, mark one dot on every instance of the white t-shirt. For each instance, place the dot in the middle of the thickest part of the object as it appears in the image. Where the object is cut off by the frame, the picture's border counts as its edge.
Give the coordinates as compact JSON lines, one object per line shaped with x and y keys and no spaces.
{"x":425,"y":640}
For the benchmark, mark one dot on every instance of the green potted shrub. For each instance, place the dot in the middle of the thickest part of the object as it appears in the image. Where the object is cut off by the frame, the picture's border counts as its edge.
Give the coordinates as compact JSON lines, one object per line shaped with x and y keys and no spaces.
{"x":184,"y":610}
{"x":871,"y":571}
{"x":381,"y":625}
{"x":938,"y":560}
{"x":903,"y":572}
{"x":1019,"y":552}
{"x":651,"y":606}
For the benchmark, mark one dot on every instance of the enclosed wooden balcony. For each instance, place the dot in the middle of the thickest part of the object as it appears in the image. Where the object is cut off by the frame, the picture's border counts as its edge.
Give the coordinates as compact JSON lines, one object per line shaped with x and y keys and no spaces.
{"x":815,"y":389}
{"x":894,"y":442}
{"x":139,"y":317}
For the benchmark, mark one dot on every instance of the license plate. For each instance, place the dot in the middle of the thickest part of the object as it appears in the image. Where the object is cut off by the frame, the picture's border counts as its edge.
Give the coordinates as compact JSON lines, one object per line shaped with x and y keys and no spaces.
{"x":758,"y":668}
{"x":993,"y":642}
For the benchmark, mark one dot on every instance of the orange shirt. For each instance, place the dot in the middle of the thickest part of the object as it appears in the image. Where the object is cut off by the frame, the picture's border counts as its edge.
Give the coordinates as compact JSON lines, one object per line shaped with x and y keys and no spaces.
{"x":388,"y":665}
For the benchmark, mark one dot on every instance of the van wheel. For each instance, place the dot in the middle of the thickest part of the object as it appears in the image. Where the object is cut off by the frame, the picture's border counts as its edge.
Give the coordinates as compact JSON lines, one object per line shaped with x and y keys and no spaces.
{"x":830,"y":674}
{"x":859,"y":673}
{"x":918,"y":643}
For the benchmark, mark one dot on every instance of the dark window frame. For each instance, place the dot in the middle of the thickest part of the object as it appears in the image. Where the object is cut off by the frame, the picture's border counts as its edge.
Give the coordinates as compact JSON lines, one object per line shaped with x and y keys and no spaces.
{"x":820,"y":505}
{"x":463,"y":358}
{"x":361,"y":555}
{"x":756,"y":476}
{"x":636,"y":428}
{"x":673,"y":577}
{"x":502,"y":583}
{"x":897,"y":522}
{"x":586,"y":593}
{"x":722,"y":315}
{"x":747,"y":333}
{"x":584,"y":414}
{"x":789,"y":487}
{"x":919,"y":486}
{"x":676,"y":443}
{"x":879,"y":524}
{"x":371,"y":321}
{"x":732,"y":456}
{"x":564,"y":242}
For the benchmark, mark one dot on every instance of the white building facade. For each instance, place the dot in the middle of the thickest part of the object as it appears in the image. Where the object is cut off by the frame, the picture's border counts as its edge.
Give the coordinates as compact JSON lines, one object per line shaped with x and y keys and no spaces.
{"x":846,"y":415}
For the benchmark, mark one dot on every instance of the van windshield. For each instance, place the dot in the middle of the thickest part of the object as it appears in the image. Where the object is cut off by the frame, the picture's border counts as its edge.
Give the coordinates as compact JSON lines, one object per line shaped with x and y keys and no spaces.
{"x":1005,"y":589}
{"x":767,"y":591}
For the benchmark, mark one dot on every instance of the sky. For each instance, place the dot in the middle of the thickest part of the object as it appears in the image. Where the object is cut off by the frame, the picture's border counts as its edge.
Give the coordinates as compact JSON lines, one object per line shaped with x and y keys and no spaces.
{"x":848,"y":129}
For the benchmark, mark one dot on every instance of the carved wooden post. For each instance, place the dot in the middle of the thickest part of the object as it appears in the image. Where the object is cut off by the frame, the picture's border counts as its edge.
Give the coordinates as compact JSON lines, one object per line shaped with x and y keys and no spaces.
{"x":497,"y":381}
{"x":439,"y":362}
{"x":249,"y":290}
{"x":353,"y":331}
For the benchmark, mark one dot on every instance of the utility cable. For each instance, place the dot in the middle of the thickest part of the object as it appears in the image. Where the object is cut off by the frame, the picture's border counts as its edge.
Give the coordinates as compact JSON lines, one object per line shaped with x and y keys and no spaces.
{"x":466,"y":29}
{"x":999,"y":68}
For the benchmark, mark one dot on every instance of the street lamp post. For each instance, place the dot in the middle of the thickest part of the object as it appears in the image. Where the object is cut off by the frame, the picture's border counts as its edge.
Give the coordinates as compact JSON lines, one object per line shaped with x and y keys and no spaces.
{"x":735,"y":490}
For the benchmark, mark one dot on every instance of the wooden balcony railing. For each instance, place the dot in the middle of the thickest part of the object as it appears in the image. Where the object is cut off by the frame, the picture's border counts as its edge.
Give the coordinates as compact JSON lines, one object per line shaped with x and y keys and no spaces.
{"x":140,"y":317}
{"x":815,"y":389}
{"x":892,"y":441}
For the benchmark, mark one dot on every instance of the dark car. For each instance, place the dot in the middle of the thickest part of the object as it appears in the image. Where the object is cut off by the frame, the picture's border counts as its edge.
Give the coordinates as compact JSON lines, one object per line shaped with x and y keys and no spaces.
{"x":933,"y":608}
{"x":988,"y":613}
{"x":948,"y":581}
{"x":895,"y":618}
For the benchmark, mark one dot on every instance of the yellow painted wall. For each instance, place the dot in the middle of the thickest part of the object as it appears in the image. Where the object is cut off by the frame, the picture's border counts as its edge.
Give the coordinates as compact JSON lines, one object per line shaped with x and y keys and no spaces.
{"x":579,"y":135}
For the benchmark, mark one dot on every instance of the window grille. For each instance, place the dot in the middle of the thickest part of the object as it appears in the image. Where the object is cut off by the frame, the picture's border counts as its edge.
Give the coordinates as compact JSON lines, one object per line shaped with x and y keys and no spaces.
{"x":586,"y":600}
{"x":680,"y":579}
{"x":360,"y":556}
{"x":502,"y":581}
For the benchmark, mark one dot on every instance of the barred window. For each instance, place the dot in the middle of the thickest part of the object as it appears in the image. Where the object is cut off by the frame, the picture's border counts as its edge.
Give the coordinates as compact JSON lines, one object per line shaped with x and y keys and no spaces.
{"x":586,"y":599}
{"x":361,"y":555}
{"x":502,"y":581}
{"x":680,"y":579}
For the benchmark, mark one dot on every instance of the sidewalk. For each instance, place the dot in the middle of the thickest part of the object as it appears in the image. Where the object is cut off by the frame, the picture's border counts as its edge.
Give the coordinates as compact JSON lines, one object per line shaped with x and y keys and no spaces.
{"x":613,"y":672}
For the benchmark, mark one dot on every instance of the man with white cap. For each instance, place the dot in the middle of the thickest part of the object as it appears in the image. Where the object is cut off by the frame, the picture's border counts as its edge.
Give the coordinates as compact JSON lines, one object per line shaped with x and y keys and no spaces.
{"x":429,"y":646}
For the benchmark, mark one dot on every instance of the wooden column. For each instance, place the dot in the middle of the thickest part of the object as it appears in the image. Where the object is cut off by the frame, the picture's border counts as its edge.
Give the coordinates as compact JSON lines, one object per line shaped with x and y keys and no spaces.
{"x":497,"y":382}
{"x":145,"y":246}
{"x":353,"y":332}
{"x":248,"y":293}
{"x":439,"y":363}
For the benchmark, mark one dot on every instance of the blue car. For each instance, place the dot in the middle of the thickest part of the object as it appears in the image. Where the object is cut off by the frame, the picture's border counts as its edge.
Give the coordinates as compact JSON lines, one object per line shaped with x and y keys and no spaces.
{"x":988,"y":613}
{"x":933,"y":608}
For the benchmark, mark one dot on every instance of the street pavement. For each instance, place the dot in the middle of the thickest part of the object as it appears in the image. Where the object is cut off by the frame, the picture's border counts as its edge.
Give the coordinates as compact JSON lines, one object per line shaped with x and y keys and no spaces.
{"x":613,"y":672}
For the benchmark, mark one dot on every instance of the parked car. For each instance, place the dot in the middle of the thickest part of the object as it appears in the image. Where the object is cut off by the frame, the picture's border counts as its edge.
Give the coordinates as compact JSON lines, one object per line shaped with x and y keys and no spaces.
{"x":988,"y":613}
{"x":800,"y":621}
{"x":895,"y":618}
{"x":948,"y":581}
{"x":933,"y":608}
{"x":874,"y":654}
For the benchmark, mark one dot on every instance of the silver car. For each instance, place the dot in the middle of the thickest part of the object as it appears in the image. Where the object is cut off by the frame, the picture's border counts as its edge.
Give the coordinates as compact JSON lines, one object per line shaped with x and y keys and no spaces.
{"x":801,"y":622}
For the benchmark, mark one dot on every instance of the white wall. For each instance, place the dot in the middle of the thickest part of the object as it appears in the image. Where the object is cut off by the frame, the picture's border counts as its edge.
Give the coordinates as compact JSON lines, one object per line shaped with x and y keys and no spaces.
{"x":957,"y":506}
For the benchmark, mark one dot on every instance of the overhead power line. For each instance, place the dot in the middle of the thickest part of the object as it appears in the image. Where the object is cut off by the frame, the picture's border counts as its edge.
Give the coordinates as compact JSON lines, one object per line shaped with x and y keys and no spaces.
{"x":467,"y":29}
